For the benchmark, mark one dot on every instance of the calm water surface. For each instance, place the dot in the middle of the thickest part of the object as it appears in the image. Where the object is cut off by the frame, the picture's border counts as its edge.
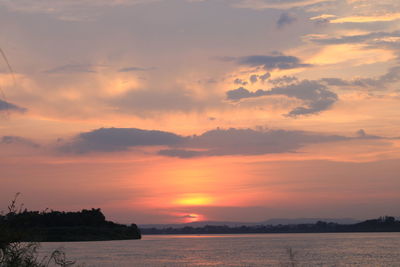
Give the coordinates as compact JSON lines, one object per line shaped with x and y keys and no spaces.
{"x":355,"y":249}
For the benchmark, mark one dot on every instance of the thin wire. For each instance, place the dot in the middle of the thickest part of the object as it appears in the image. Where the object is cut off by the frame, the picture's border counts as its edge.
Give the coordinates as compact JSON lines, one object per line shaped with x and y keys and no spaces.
{"x":10,"y":69}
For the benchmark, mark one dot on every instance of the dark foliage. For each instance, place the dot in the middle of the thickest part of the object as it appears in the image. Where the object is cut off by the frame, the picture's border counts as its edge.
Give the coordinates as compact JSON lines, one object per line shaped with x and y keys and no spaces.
{"x":85,"y":225}
{"x":382,"y":224}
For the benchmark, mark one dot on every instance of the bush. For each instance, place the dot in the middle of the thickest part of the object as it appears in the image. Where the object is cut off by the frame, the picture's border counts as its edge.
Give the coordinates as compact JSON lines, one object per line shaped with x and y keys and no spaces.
{"x":15,"y":253}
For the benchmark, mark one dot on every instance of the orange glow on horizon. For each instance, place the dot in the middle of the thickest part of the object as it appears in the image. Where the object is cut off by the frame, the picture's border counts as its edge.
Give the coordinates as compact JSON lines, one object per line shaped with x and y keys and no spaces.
{"x":192,"y":217}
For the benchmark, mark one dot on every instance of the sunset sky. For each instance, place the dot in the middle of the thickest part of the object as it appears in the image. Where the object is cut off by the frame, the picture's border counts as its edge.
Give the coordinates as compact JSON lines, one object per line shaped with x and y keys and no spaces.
{"x":168,"y":111}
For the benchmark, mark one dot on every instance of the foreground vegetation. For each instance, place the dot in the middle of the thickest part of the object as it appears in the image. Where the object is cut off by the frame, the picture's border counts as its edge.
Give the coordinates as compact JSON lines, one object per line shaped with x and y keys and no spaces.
{"x":22,"y":230}
{"x":56,"y":226}
{"x":15,"y":253}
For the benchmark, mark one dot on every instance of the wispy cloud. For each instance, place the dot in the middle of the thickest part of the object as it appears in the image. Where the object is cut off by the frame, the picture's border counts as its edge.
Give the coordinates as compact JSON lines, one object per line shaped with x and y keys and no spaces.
{"x":315,"y":96}
{"x":269,"y":62}
{"x":285,"y":19}
{"x":6,"y":106}
{"x":278,"y":4}
{"x":74,"y":68}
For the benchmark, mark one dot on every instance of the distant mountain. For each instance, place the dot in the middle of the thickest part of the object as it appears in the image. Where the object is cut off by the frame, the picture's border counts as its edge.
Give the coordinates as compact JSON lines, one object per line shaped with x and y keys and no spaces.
{"x":276,"y":221}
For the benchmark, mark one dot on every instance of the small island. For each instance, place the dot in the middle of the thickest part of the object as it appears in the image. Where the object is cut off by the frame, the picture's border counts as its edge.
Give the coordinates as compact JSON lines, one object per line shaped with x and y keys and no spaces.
{"x":56,"y":226}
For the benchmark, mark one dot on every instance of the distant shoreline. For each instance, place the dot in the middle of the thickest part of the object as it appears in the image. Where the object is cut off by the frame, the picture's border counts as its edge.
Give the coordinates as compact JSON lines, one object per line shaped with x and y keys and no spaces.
{"x":385,"y":224}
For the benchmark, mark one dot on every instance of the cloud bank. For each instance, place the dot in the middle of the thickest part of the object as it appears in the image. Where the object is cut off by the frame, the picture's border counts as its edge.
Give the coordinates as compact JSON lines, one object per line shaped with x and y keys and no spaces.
{"x":217,"y":142}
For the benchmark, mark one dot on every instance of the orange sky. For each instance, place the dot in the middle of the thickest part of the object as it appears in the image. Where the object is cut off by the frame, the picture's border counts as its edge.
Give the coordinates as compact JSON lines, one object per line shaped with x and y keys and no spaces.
{"x":179,"y":111}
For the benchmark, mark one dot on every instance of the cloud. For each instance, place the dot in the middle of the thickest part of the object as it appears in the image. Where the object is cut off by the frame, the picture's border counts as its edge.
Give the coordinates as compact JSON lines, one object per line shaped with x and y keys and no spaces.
{"x":10,"y":140}
{"x":278,"y":4}
{"x":217,"y":142}
{"x":378,"y":83}
{"x":6,"y":106}
{"x":315,"y":96}
{"x":367,"y":19}
{"x":73,"y":68}
{"x":284,"y":80}
{"x":285,"y":19}
{"x":372,"y":37}
{"x":265,"y":76}
{"x":220,"y":142}
{"x":118,"y":139}
{"x":240,"y":82}
{"x":271,"y":62}
{"x":253,"y":78}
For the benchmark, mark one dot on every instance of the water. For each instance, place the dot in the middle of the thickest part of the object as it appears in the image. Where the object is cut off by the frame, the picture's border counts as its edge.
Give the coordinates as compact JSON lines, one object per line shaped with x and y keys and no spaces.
{"x":256,"y":250}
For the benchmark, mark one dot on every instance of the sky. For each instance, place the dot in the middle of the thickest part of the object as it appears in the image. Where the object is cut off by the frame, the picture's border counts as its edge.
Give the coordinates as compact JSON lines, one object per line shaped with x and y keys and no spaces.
{"x":171,"y":111}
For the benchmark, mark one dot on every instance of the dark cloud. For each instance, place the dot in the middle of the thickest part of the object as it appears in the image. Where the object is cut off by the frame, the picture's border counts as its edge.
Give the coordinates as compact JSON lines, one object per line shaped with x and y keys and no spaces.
{"x":240,"y":82}
{"x":285,"y":19}
{"x":6,"y":106}
{"x":355,"y":39}
{"x":269,"y":62}
{"x":118,"y":139}
{"x":239,"y":93}
{"x":132,"y":69}
{"x":378,"y":83}
{"x":181,"y":153}
{"x":315,"y":96}
{"x":233,"y":141}
{"x":218,"y":142}
{"x":253,"y":78}
{"x":10,"y":140}
{"x":272,"y":62}
{"x":361,"y":134}
{"x":284,"y":80}
{"x":265,"y":76}
{"x":73,"y":68}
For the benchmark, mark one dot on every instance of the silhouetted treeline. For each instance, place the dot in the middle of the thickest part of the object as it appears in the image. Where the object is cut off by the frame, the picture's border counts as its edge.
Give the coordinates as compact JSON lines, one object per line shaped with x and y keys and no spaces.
{"x":85,"y":225}
{"x":382,"y":224}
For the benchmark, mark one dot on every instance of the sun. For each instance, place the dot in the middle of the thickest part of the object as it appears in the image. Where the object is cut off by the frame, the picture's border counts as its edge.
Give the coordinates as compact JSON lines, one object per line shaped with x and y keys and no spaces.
{"x":194,"y":200}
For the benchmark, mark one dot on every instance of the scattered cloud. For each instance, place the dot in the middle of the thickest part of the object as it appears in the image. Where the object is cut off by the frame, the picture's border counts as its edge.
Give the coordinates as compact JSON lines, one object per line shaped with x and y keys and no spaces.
{"x":278,"y":4}
{"x":6,"y":106}
{"x":240,"y":82}
{"x":73,"y":68}
{"x":11,"y":140}
{"x":285,"y":19}
{"x":367,"y":19}
{"x":253,"y":78}
{"x":315,"y":96}
{"x":284,"y":80}
{"x":271,"y":62}
{"x":372,"y":37}
{"x":378,"y":83}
